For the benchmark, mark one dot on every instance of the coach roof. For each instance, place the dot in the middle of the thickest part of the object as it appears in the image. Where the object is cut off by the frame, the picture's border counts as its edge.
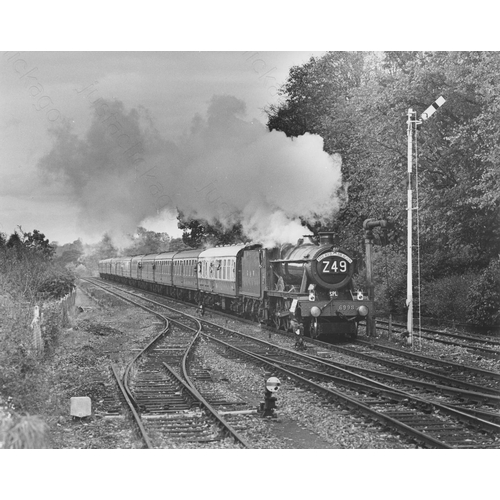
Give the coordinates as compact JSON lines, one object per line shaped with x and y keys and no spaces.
{"x":227,"y":251}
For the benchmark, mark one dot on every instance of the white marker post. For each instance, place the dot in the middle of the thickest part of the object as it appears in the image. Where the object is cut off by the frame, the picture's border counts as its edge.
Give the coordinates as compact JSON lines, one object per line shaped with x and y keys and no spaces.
{"x":412,"y":122}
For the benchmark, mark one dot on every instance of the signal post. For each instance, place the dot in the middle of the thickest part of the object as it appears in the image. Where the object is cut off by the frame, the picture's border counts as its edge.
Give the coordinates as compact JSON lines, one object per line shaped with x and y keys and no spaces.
{"x":412,"y":125}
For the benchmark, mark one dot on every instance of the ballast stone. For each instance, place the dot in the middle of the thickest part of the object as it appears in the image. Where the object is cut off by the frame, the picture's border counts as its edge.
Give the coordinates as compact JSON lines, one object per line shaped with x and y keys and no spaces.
{"x":81,"y":407}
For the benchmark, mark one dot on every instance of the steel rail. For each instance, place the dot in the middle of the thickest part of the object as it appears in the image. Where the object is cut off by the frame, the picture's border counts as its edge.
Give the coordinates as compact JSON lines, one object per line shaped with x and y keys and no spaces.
{"x":493,"y":397}
{"x":341,"y":367}
{"x":427,"y":359}
{"x":482,"y":392}
{"x":478,"y":390}
{"x":188,"y":383}
{"x":352,"y":403}
{"x":485,"y":395}
{"x":136,"y":416}
{"x":478,"y":340}
{"x":391,"y":391}
{"x":126,"y":374}
{"x":215,"y":414}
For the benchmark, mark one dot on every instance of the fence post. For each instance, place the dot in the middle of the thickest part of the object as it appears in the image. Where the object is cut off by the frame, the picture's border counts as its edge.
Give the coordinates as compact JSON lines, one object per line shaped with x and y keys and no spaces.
{"x":37,"y":331}
{"x":68,"y":307}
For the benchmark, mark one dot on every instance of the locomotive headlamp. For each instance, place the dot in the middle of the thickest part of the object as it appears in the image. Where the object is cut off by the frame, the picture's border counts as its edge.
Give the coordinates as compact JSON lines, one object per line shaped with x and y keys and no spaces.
{"x":363,"y":310}
{"x":316,"y":311}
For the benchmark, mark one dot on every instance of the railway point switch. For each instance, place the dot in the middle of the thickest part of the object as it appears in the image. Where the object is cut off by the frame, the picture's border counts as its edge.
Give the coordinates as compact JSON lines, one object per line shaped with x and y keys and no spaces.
{"x":81,"y":407}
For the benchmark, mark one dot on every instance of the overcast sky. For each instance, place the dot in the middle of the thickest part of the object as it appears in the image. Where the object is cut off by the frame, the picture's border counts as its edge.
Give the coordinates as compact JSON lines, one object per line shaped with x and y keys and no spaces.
{"x":40,"y":90}
{"x":54,"y":164}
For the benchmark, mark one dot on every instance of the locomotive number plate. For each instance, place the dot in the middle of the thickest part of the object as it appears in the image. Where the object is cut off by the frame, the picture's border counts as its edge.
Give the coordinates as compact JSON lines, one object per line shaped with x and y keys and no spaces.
{"x":346,"y":307}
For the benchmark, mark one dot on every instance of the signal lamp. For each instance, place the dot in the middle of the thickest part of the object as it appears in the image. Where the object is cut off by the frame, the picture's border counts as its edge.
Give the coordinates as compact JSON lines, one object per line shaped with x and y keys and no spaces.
{"x":269,"y":404}
{"x":273,"y":384}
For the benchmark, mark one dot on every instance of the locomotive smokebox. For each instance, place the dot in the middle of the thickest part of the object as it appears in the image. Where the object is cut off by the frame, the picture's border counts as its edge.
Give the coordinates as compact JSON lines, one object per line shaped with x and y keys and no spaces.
{"x":327,"y":238}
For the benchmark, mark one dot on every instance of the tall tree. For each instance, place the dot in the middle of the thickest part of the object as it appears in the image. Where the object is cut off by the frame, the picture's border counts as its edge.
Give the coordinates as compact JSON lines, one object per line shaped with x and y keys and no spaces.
{"x":145,"y":242}
{"x":198,"y":233}
{"x":458,"y":149}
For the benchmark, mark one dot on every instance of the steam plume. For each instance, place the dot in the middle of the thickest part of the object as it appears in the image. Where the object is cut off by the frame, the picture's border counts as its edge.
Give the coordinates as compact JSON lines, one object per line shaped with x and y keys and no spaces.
{"x":123,"y":171}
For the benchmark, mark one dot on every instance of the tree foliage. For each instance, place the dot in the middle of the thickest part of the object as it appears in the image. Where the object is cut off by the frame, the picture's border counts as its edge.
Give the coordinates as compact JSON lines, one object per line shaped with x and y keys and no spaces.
{"x":362,"y":114}
{"x":69,"y":253}
{"x":144,"y":242}
{"x":199,"y":233}
{"x":358,"y":102}
{"x":484,"y":297}
{"x":28,"y":271}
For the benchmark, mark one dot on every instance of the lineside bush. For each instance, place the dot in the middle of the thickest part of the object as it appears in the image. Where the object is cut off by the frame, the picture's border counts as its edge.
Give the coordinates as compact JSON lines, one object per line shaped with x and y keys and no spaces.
{"x":446,"y":298}
{"x":28,"y":277}
{"x":484,"y":297}
{"x":24,"y":432}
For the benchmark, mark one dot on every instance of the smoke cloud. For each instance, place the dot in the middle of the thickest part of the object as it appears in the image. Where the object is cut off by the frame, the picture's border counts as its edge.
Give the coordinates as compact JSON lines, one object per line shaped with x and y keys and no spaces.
{"x":122,"y":171}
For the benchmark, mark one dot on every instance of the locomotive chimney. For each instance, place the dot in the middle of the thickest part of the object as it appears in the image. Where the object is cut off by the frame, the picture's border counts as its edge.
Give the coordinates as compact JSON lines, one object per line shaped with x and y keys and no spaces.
{"x":327,"y":238}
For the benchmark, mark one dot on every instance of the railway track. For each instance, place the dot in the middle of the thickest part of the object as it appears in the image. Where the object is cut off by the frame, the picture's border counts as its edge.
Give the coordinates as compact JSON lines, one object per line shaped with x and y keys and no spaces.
{"x":486,"y":345}
{"x":163,"y":402}
{"x":453,"y":424}
{"x":430,"y":422}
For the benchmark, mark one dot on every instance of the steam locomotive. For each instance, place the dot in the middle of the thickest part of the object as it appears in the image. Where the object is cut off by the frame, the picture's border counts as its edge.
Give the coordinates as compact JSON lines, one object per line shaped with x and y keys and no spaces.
{"x":307,"y":284}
